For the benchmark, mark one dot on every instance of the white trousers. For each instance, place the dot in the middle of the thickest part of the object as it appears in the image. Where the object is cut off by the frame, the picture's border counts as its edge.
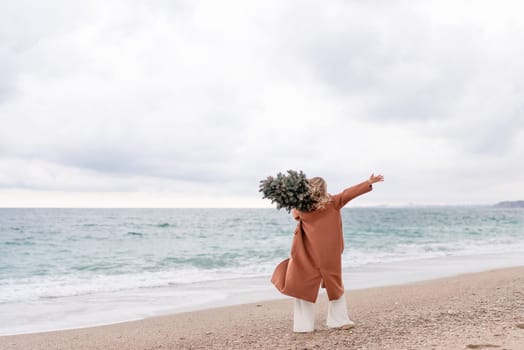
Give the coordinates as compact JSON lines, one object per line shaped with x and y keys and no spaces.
{"x":304,"y":315}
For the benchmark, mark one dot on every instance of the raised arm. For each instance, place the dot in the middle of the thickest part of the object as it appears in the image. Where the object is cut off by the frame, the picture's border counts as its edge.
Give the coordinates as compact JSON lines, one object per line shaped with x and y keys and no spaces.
{"x":348,"y":194}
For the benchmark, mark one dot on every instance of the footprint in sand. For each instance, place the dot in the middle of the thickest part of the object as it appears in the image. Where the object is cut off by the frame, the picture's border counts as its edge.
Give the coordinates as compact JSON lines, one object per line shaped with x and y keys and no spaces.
{"x":481,"y":346}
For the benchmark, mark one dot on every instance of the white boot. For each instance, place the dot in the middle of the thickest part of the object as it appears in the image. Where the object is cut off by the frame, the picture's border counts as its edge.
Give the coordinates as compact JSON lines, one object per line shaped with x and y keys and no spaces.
{"x":337,"y":316}
{"x":304,"y":316}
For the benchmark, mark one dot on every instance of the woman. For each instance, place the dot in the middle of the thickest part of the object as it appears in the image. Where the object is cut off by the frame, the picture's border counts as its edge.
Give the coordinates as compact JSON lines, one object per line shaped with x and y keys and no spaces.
{"x":316,"y":257}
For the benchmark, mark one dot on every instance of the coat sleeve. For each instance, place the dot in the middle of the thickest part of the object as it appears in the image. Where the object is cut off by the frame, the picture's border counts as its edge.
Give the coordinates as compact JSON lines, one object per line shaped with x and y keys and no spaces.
{"x":348,"y":194}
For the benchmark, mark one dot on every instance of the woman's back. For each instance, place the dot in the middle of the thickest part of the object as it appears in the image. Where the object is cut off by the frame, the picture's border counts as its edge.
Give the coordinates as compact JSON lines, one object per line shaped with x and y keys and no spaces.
{"x":323,"y":231}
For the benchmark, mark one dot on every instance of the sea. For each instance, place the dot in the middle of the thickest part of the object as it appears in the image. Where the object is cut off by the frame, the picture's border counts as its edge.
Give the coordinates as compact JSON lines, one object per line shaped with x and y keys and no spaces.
{"x":69,"y":268}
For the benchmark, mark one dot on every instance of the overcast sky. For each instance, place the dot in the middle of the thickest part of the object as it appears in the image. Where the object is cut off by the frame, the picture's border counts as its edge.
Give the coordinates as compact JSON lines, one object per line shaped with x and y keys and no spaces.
{"x":191,"y":103}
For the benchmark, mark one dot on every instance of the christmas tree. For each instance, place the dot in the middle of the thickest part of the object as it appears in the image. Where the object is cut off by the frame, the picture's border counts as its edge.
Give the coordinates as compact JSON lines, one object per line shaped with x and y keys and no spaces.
{"x":288,"y":191}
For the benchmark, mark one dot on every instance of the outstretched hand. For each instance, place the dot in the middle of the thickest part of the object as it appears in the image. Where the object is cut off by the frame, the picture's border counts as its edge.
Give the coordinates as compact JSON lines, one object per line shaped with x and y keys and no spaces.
{"x":373,"y":179}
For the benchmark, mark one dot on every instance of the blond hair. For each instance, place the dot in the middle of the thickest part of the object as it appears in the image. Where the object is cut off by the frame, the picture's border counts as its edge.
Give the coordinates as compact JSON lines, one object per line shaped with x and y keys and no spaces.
{"x":318,"y":188}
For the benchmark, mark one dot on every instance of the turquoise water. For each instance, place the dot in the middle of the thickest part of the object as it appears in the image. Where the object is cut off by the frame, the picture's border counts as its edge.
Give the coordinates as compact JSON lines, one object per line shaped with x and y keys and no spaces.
{"x":55,"y":258}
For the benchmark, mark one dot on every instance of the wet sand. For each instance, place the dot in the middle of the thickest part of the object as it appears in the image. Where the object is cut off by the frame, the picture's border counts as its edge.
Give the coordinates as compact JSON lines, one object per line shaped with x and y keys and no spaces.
{"x":472,"y":311}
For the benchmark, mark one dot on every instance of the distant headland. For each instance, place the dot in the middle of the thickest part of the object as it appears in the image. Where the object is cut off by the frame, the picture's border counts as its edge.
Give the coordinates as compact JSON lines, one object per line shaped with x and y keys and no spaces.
{"x":510,"y":204}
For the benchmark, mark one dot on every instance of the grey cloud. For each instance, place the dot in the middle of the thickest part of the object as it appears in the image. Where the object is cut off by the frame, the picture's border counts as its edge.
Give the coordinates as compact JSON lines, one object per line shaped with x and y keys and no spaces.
{"x":7,"y":75}
{"x":25,"y":24}
{"x":492,"y":138}
{"x":402,"y":69}
{"x":202,"y":163}
{"x":398,"y":65}
{"x":181,"y":148}
{"x":183,"y":167}
{"x":131,"y":89}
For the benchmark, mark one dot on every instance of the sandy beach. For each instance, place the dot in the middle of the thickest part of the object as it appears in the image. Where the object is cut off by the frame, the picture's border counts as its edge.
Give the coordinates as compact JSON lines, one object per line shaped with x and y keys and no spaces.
{"x":473,"y":311}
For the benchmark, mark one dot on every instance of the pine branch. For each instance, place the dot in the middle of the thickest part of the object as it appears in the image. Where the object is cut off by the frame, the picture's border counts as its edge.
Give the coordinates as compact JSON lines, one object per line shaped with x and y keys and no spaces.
{"x":288,"y":191}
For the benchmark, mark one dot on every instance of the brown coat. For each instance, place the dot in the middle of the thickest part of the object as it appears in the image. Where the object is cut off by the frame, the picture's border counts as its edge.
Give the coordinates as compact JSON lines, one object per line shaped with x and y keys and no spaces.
{"x":316,"y":251}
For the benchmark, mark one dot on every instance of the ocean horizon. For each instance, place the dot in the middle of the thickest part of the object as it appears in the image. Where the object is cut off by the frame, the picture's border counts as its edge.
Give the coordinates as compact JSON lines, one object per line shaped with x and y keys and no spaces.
{"x":76,"y":267}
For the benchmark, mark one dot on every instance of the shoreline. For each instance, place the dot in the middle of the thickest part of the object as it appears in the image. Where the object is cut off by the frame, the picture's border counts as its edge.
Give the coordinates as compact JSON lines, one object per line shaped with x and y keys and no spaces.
{"x":230,"y":293}
{"x":482,"y":308}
